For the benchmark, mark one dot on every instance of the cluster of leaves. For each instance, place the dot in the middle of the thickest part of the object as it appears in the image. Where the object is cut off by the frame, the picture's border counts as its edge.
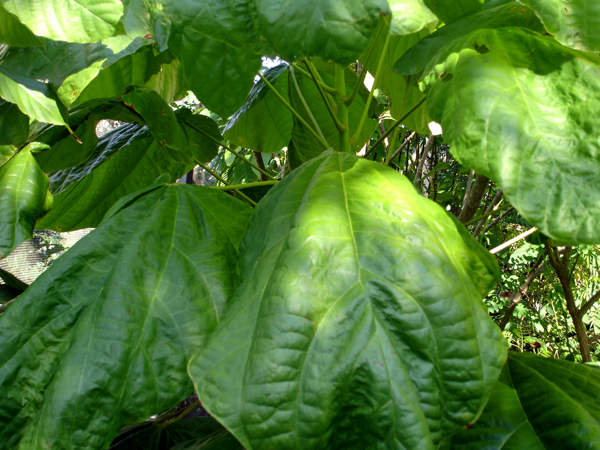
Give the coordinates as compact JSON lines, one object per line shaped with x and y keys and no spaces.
{"x":344,"y":310}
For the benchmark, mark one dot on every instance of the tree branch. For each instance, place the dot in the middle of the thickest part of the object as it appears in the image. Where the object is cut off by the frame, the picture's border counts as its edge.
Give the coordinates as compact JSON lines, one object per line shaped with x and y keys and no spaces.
{"x":474,"y":198}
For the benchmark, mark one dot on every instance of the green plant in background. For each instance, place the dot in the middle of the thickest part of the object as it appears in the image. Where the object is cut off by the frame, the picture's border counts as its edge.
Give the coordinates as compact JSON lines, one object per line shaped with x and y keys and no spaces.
{"x":326,"y":291}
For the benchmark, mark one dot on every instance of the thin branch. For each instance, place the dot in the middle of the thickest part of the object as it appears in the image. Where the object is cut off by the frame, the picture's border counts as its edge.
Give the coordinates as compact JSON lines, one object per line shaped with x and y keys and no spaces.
{"x":261,"y":164}
{"x":535,"y":271}
{"x":246,"y":160}
{"x":232,"y":187}
{"x":295,"y":113}
{"x":489,"y":209}
{"x":404,"y":144}
{"x":398,"y":122}
{"x":424,"y":154}
{"x":222,"y":180}
{"x":306,"y":107}
{"x":513,"y":240}
{"x":467,"y":189}
{"x":587,"y":305}
{"x":323,"y":86}
{"x":339,"y":125}
{"x":500,"y":217}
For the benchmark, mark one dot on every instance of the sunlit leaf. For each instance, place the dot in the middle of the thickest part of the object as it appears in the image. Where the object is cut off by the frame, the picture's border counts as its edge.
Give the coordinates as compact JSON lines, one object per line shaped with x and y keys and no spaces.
{"x":358,"y":320}
{"x":13,"y":32}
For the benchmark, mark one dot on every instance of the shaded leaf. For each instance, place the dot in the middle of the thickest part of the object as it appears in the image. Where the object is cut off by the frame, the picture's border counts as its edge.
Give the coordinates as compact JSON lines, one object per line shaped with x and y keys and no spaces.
{"x":14,"y":125}
{"x":575,"y":23}
{"x":12,"y":281}
{"x":523,"y":112}
{"x":263,"y":123}
{"x":538,"y":404}
{"x":220,"y":75}
{"x":68,"y":20}
{"x":23,"y":190}
{"x":201,"y":433}
{"x":358,"y":320}
{"x":6,"y":152}
{"x":126,"y":159}
{"x":449,"y":10}
{"x":13,"y":32}
{"x":102,"y":338}
{"x":203,"y":135}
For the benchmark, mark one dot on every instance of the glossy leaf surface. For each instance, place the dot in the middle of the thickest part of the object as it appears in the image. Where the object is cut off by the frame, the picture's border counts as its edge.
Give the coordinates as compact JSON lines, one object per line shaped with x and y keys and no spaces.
{"x":574,"y":23}
{"x":263,"y":123}
{"x":125,"y":160}
{"x":68,"y":20}
{"x":358,"y":320}
{"x":523,"y":110}
{"x":23,"y":190}
{"x":102,"y":338}
{"x":538,"y":404}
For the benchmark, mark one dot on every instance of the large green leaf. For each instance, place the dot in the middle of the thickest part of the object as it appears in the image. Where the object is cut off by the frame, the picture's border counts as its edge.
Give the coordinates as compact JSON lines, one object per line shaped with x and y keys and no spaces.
{"x":358,"y":321}
{"x":337,"y":30}
{"x":33,"y":97}
{"x":23,"y":191}
{"x":522,"y":110}
{"x":102,"y":338}
{"x":220,"y":75}
{"x":449,"y":10}
{"x":68,"y":20}
{"x":457,"y":35}
{"x":538,"y":404}
{"x":263,"y":123}
{"x":13,"y":32}
{"x":6,"y":152}
{"x":574,"y":23}
{"x":14,"y":125}
{"x":126,"y":159}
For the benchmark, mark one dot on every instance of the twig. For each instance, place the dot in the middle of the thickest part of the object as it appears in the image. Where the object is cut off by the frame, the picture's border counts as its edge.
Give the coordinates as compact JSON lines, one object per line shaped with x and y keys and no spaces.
{"x":467,"y":189}
{"x":424,"y":154}
{"x":499,"y":218}
{"x":513,"y":240}
{"x":474,"y":198}
{"x":489,"y":209}
{"x":404,"y":144}
{"x":222,"y":180}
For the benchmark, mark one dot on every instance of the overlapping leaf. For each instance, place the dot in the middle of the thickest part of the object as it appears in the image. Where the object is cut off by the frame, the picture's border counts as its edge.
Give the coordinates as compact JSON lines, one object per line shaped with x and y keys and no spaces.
{"x":126,"y":159}
{"x":23,"y":192}
{"x":68,"y":20}
{"x":455,"y":36}
{"x":538,"y":404}
{"x":263,"y":123}
{"x":14,"y":125}
{"x":358,"y":320}
{"x":574,"y":23}
{"x":523,"y":110}
{"x":449,"y":10}
{"x":102,"y":338}
{"x":13,"y":32}
{"x":410,"y":16}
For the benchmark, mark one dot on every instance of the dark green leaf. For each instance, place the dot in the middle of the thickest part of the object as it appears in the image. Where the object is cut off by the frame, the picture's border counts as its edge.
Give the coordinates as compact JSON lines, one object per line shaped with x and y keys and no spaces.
{"x":23,"y":190}
{"x":7,"y":294}
{"x":358,"y":321}
{"x":13,"y":32}
{"x":201,"y":433}
{"x":337,"y":30}
{"x":103,"y":337}
{"x":68,"y":20}
{"x":6,"y":152}
{"x":521,"y":112}
{"x":170,"y":82}
{"x":263,"y":123}
{"x":126,"y":159}
{"x":448,"y":10}
{"x":14,"y":125}
{"x":12,"y":281}
{"x":160,"y":120}
{"x":203,"y":136}
{"x":538,"y":404}
{"x":220,"y":75}
{"x":574,"y":23}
